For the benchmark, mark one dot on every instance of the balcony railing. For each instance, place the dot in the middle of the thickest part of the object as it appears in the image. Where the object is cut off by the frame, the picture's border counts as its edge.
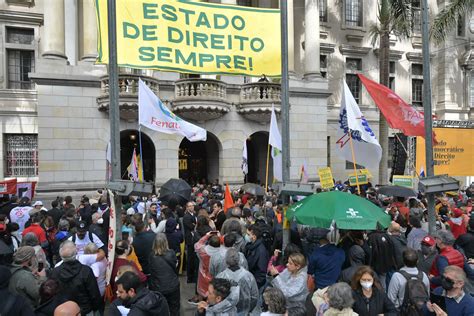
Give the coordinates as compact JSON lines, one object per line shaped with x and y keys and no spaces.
{"x":200,"y":99}
{"x":260,"y":92}
{"x":128,"y":94}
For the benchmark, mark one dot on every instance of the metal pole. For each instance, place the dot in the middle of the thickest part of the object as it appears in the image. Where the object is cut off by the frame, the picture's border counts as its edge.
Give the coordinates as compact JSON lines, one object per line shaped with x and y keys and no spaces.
{"x":428,"y":113}
{"x":285,"y":109}
{"x":114,"y":111}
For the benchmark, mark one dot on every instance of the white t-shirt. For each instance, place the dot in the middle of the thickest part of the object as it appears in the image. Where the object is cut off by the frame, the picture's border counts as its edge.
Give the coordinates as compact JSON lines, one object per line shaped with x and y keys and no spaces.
{"x":82,"y":243}
{"x":20,"y":215}
{"x":99,"y":268}
{"x":87,"y":260}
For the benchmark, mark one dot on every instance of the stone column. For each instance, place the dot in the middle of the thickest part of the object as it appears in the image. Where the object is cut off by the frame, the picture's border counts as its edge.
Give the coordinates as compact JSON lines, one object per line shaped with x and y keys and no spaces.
{"x":311,"y":40}
{"x":89,"y":31}
{"x":53,"y":31}
{"x":291,"y":38}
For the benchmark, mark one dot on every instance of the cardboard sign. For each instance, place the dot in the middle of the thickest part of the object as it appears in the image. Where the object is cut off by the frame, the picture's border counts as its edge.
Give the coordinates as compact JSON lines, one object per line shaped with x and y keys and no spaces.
{"x":403,"y":181}
{"x":325,"y":178}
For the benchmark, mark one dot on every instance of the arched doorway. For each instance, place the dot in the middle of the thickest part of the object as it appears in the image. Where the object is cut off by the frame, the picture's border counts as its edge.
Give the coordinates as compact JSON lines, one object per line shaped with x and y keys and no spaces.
{"x":129,"y":140}
{"x":199,"y":161}
{"x":257,"y":146}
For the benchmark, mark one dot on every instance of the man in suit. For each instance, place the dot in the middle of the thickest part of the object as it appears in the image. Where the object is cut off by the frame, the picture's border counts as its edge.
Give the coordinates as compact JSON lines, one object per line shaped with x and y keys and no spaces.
{"x":189,"y":223}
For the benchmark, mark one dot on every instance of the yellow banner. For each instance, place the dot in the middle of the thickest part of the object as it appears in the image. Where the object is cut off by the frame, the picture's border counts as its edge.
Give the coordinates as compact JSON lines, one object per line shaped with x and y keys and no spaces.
{"x":453,"y":155}
{"x":325,"y":178}
{"x":193,"y":37}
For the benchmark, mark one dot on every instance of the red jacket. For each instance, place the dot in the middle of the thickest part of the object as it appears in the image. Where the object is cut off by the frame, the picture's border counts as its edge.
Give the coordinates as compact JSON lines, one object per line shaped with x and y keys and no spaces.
{"x":36,"y":229}
{"x":454,"y":257}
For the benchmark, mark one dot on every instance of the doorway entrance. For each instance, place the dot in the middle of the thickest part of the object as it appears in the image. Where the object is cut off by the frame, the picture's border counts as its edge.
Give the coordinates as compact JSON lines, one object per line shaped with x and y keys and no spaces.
{"x":257,"y":146}
{"x":128,"y":142}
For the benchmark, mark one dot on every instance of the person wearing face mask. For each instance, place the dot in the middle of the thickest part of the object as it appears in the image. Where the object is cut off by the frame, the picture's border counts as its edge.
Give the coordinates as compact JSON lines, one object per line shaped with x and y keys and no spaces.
{"x":26,"y":279}
{"x":257,"y":255}
{"x":427,"y":254}
{"x":451,"y":293}
{"x":370,"y":299}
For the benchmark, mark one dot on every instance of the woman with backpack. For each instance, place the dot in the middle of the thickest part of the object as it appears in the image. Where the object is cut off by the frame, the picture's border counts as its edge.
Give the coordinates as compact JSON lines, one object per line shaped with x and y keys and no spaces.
{"x":370,"y":299}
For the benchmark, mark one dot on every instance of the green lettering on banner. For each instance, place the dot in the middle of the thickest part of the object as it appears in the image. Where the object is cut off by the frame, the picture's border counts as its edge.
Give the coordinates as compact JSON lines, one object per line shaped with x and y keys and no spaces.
{"x":149,"y":33}
{"x":403,"y":181}
{"x":187,"y":13}
{"x":200,"y":38}
{"x":257,"y":47}
{"x":149,"y":9}
{"x":222,"y":17}
{"x":126,"y":26}
{"x":146,"y":54}
{"x":173,"y":30}
{"x":180,"y":57}
{"x":169,"y":13}
{"x":242,"y":39}
{"x":239,"y":62}
{"x":361,"y":177}
{"x":202,"y":20}
{"x":223,"y":59}
{"x":205,"y":58}
{"x":164,"y":54}
{"x":217,"y":39}
{"x":238,"y":23}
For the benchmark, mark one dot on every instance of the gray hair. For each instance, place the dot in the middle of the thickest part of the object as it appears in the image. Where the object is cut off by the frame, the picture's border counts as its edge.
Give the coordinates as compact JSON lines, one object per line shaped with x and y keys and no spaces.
{"x":91,"y":249}
{"x":460,"y":274}
{"x":63,"y":225}
{"x":275,"y":300}
{"x":30,"y":239}
{"x":68,"y":251}
{"x":236,"y":211}
{"x":232,"y":257}
{"x":95,"y":217}
{"x":160,"y":245}
{"x":446,"y":237}
{"x":340,"y":296}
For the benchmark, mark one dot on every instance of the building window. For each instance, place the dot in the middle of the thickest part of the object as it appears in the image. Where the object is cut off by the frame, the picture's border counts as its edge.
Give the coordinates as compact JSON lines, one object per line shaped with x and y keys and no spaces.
{"x":416,"y":7}
{"x":246,"y":3}
{"x":323,"y":10}
{"x":391,"y":79}
{"x":353,"y":12}
{"x":323,"y":62}
{"x":461,"y":26}
{"x":417,"y":85}
{"x":21,"y":155}
{"x":20,"y":57}
{"x":354,"y":66}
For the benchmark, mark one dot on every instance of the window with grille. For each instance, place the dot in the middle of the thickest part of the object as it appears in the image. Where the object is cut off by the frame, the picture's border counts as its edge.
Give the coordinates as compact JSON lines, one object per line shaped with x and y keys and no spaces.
{"x":417,"y":85}
{"x":20,"y":59}
{"x":416,"y":7}
{"x":323,"y":62}
{"x":353,"y":66}
{"x":21,"y":155}
{"x":353,"y":12}
{"x":323,"y":10}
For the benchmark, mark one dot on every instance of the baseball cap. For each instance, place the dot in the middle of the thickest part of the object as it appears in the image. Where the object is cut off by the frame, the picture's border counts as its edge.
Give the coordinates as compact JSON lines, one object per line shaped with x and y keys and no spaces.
{"x":38,"y":203}
{"x":457,"y":212}
{"x":82,"y":227}
{"x":428,"y":240}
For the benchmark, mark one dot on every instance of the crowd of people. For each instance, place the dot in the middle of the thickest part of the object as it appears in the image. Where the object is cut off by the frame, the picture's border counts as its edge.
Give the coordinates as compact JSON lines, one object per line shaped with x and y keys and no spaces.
{"x":54,"y":261}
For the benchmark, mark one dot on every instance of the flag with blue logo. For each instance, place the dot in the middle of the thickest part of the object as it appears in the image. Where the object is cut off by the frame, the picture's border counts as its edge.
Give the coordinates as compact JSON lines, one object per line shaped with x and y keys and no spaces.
{"x":152,"y":113}
{"x":367,"y":150}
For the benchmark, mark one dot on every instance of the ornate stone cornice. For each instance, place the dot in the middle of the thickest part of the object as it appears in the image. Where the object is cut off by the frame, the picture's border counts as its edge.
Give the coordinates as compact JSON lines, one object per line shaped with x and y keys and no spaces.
{"x":354,"y":50}
{"x":327,"y":48}
{"x":394,"y":54}
{"x":21,"y":17}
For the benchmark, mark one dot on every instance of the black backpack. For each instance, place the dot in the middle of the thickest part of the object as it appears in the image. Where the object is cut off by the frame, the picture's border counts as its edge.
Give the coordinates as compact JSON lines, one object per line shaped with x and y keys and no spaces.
{"x":415,"y":296}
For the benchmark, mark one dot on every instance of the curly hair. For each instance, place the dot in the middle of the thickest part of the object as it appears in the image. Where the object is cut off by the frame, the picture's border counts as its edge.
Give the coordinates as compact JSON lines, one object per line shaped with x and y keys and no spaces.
{"x":275,"y":300}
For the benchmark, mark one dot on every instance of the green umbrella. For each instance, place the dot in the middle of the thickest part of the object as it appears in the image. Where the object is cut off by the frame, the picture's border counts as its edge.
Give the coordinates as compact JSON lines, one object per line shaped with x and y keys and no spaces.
{"x":348,"y":211}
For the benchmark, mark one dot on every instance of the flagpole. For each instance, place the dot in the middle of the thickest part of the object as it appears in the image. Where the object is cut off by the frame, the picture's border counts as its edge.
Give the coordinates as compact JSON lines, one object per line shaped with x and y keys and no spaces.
{"x":354,"y":161}
{"x":141,"y":155}
{"x":266,"y":172}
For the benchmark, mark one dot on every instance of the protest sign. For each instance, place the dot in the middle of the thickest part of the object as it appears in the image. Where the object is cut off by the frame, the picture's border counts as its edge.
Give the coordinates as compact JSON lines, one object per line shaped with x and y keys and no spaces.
{"x":325,"y":178}
{"x":403,"y":181}
{"x":193,"y":37}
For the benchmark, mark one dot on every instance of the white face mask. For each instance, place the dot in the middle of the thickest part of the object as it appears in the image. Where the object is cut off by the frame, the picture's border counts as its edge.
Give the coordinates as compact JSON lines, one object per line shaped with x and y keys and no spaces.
{"x":366,"y":284}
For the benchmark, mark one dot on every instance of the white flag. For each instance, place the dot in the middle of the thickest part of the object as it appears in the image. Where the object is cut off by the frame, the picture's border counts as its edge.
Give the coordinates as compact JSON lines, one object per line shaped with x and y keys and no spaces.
{"x":275,"y":141}
{"x":367,"y":150}
{"x":152,"y":113}
{"x":245,"y":166}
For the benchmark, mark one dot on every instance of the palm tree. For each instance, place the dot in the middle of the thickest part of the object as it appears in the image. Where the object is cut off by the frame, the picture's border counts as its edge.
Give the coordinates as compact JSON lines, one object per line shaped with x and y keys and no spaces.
{"x":447,"y":18}
{"x":394,"y":17}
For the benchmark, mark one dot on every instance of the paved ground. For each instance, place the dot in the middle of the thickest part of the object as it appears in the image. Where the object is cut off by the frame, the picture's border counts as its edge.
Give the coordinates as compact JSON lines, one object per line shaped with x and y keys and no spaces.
{"x":187,"y":291}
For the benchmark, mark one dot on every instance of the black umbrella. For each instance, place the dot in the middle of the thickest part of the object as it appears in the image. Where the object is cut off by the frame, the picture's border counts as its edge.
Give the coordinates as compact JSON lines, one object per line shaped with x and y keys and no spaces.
{"x":396,"y":190}
{"x":175,"y":191}
{"x":253,"y":189}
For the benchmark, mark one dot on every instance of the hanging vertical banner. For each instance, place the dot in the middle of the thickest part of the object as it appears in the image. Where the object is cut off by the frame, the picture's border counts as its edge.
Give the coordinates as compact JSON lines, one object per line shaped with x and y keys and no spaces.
{"x":193,"y":37}
{"x":112,"y":237}
{"x":26,"y":189}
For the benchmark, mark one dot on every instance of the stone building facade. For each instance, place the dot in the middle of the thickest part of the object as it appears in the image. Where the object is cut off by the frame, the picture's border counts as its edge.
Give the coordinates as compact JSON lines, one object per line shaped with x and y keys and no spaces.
{"x":54,"y":105}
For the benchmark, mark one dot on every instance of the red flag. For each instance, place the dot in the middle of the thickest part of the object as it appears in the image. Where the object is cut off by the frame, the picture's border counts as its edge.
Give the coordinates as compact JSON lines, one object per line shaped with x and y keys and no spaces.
{"x":8,"y":186}
{"x":228,"y":201}
{"x":397,"y":112}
